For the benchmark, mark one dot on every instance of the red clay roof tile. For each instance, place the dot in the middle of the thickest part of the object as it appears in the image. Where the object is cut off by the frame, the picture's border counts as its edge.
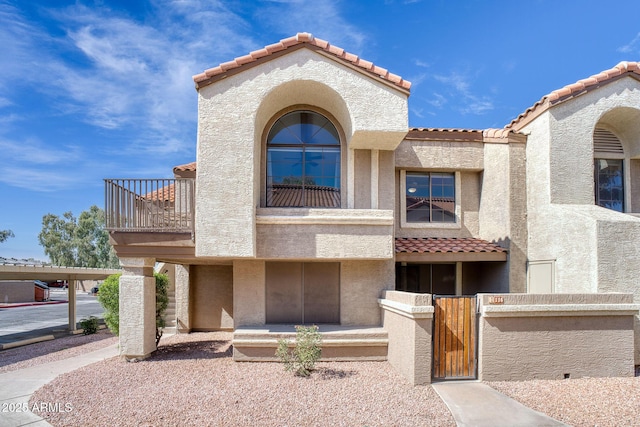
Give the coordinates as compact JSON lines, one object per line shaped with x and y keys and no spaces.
{"x":207,"y":77}
{"x":188,"y":167}
{"x":574,"y":89}
{"x":421,"y":245}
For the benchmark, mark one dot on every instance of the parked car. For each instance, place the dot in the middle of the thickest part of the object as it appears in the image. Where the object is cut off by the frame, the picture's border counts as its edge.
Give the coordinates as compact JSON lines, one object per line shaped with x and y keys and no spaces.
{"x":58,"y":284}
{"x":95,"y":289}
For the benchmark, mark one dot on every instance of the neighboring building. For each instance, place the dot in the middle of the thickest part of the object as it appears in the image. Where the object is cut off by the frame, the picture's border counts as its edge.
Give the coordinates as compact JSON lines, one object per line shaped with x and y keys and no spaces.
{"x":311,"y":197}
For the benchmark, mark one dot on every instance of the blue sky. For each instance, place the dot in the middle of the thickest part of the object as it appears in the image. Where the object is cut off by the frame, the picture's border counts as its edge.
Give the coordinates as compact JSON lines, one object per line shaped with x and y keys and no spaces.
{"x":103,"y":89}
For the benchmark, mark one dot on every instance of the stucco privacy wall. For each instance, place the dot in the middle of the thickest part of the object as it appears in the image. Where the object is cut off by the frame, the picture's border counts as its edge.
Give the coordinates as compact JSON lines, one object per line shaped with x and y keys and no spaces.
{"x":408,"y":319}
{"x":233,"y":114}
{"x":618,"y":252}
{"x":553,"y":336}
{"x":211,"y":297}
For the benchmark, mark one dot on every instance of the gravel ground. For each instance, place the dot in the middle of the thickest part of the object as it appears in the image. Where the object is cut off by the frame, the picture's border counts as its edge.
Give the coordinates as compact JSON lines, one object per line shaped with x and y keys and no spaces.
{"x":192,"y":381}
{"x":50,"y":351}
{"x":580,"y":402}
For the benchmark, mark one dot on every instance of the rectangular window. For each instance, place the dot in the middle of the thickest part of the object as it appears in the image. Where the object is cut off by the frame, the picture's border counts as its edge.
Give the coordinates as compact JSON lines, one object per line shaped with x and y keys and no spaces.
{"x":430,"y":197}
{"x":609,"y":183}
{"x":426,"y":278}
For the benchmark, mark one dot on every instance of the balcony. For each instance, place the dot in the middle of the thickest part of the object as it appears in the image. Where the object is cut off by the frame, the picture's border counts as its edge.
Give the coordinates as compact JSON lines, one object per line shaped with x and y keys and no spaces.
{"x":150,"y":205}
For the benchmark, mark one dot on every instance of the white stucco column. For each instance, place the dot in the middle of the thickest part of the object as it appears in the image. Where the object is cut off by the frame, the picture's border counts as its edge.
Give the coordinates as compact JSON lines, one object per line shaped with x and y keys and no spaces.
{"x":137,"y":307}
{"x":183,"y":317}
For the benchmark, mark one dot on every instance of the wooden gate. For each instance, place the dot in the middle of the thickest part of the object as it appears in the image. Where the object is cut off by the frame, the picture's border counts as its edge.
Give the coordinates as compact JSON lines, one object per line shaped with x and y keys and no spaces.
{"x":454,"y":337}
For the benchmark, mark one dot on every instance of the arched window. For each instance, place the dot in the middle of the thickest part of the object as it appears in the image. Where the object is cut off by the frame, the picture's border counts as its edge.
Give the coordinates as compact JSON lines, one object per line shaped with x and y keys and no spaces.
{"x":608,"y":170}
{"x":303,"y":162}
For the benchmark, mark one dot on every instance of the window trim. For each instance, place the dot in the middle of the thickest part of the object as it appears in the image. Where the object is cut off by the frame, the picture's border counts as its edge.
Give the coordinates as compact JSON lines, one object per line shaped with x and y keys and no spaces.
{"x":456,"y":225}
{"x":344,"y":155}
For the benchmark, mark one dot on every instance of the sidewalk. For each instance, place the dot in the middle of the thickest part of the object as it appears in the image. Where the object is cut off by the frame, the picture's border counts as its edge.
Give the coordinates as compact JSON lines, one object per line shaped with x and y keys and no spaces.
{"x":473,"y":403}
{"x":16,"y":387}
{"x":29,"y":304}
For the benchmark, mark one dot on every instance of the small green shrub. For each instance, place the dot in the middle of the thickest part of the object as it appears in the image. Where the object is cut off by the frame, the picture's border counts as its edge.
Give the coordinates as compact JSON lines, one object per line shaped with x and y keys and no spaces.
{"x":109,"y":298}
{"x":306,"y":351}
{"x":89,"y":326}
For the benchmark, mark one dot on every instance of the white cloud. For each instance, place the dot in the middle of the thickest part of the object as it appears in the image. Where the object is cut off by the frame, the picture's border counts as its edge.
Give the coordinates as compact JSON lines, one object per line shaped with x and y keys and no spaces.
{"x":437,"y":100}
{"x":34,"y":152}
{"x":633,"y":47}
{"x":39,"y":179}
{"x":323,"y":20}
{"x":114,"y":72}
{"x":466,"y":101}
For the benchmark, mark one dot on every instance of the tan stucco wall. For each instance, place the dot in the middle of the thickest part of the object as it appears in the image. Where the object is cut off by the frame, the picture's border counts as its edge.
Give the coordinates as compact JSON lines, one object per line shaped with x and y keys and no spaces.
{"x":503,"y":206}
{"x":595,"y":249}
{"x":211,"y":297}
{"x":408,"y":320}
{"x":386,"y":180}
{"x":182,"y":284}
{"x":137,"y":302}
{"x":550,"y":336}
{"x":440,"y":155}
{"x":232,"y":117}
{"x":570,"y":131}
{"x":285,"y":233}
{"x":249,"y":303}
{"x":362,"y":159}
{"x":361,"y":284}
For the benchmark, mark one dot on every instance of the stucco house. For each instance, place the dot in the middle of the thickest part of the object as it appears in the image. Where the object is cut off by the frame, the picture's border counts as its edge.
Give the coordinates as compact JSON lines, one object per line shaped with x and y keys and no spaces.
{"x":312,"y":201}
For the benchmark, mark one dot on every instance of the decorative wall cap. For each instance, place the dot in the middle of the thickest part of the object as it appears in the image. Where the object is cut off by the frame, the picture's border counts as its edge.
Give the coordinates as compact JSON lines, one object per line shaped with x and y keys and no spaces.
{"x":560,"y":310}
{"x":406,"y":310}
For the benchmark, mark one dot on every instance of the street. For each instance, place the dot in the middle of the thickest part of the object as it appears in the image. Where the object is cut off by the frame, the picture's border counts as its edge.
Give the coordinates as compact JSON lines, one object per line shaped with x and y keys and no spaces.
{"x":18,"y":320}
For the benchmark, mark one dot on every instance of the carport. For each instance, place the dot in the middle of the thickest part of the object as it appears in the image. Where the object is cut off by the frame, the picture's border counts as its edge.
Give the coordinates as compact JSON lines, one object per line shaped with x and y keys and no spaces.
{"x":51,"y":273}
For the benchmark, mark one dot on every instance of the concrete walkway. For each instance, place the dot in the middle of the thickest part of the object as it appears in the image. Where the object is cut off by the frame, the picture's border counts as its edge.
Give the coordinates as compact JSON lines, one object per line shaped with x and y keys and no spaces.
{"x":473,"y":403}
{"x":16,"y":387}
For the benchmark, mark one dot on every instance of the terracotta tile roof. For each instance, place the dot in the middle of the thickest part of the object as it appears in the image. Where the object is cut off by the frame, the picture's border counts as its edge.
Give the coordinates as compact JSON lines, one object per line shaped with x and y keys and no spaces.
{"x":289,"y":195}
{"x":624,"y":68}
{"x":189,"y":167}
{"x":441,"y":134}
{"x":473,"y":135}
{"x":163,"y":194}
{"x":292,"y":43}
{"x":421,"y":245}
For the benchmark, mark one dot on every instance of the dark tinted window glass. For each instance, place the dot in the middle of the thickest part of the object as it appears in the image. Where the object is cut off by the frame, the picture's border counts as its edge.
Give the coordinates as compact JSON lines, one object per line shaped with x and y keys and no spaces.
{"x":609,"y":184}
{"x":430,"y":197}
{"x":303,"y":162}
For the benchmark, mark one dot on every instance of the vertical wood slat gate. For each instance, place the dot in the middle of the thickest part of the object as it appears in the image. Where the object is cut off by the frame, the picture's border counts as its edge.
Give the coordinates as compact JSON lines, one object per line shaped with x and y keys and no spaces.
{"x":454,"y":337}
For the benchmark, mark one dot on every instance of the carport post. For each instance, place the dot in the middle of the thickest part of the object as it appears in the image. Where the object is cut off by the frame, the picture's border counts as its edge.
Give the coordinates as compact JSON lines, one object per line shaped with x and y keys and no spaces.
{"x":71,"y":291}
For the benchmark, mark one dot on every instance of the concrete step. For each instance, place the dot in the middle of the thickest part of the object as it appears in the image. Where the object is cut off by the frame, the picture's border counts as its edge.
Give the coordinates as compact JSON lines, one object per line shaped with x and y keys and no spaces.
{"x":338,"y":342}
